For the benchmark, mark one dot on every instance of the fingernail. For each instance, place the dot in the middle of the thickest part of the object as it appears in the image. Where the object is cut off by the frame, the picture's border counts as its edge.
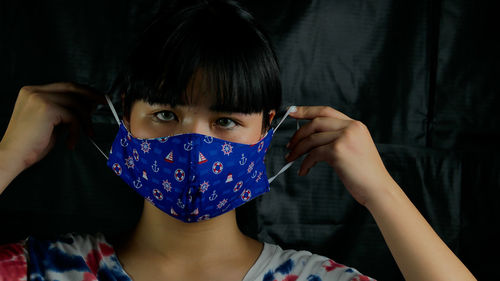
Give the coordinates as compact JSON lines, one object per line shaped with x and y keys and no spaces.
{"x":292,"y":108}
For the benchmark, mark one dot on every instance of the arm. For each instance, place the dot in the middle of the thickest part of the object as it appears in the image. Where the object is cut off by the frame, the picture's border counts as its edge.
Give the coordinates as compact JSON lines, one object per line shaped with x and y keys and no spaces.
{"x":417,"y":249}
{"x":31,"y":132}
{"x":10,"y":167}
{"x":346,"y":145}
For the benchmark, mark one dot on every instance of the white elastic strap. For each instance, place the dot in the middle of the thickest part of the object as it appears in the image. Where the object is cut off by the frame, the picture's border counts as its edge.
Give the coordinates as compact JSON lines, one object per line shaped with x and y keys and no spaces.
{"x":291,"y":109}
{"x":110,"y":104}
{"x":113,"y":109}
{"x":281,"y":171}
{"x":96,"y":146}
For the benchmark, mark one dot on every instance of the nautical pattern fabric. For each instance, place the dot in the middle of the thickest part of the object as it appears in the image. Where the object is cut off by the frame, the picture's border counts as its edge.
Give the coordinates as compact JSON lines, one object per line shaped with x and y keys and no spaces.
{"x":191,"y":177}
{"x":89,"y":257}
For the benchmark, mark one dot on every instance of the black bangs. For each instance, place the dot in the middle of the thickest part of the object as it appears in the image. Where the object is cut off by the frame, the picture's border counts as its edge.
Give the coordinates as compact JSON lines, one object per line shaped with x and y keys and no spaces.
{"x":206,"y":48}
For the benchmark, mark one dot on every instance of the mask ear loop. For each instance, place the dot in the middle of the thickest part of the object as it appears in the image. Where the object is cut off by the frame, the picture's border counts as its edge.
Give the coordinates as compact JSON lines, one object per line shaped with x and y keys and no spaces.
{"x":110,"y":104}
{"x":290,"y":110}
{"x":113,"y":110}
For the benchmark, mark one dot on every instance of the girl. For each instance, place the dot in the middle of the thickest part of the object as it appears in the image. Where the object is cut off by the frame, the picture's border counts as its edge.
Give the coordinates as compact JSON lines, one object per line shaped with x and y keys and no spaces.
{"x":206,"y":71}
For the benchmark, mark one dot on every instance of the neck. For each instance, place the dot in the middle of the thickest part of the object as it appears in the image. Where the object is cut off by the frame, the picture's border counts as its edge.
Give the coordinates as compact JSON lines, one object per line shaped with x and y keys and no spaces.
{"x":165,"y":237}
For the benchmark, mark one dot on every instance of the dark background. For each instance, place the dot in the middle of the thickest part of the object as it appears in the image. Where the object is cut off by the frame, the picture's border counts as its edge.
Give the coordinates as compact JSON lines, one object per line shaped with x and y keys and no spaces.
{"x":421,"y":74}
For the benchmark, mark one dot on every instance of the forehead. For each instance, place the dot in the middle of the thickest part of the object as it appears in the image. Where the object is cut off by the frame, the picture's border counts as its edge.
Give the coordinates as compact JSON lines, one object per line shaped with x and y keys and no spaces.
{"x":198,"y":92}
{"x":201,"y":92}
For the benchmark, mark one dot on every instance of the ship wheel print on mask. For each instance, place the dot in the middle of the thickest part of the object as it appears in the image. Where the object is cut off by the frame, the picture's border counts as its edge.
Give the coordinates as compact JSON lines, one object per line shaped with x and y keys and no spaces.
{"x":227,"y":148}
{"x":239,"y":167}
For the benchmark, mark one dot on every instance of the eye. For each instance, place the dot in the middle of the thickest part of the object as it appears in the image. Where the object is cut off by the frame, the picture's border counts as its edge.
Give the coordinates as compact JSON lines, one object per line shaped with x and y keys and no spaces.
{"x":226,"y":123}
{"x":165,"y":115}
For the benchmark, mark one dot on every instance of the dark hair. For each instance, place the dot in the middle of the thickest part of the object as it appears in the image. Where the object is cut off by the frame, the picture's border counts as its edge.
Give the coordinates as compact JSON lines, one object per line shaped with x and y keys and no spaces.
{"x":218,"y":38}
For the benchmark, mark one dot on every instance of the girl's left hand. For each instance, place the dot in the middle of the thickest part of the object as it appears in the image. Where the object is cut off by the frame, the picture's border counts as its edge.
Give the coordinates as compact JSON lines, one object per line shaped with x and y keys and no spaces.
{"x":345,"y":144}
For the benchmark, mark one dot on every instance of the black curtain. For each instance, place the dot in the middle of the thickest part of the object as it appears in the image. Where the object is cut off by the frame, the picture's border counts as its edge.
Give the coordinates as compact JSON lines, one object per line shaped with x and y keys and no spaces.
{"x":420,"y":74}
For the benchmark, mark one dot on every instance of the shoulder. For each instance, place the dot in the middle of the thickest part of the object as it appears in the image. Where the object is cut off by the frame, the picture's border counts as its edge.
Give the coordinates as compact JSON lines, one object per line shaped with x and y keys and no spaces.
{"x":291,"y":265}
{"x":13,"y":261}
{"x":72,"y":257}
{"x":70,"y":244}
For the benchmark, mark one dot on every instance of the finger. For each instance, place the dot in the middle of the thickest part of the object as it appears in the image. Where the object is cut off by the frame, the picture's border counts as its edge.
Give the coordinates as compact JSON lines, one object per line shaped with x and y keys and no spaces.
{"x":82,"y":109}
{"x":71,"y":87}
{"x":307,"y":144}
{"x":63,"y":115}
{"x":73,"y":123}
{"x":311,"y":112}
{"x":65,"y":99}
{"x":62,"y":107}
{"x":316,"y":155}
{"x":319,"y":124}
{"x":69,"y":101}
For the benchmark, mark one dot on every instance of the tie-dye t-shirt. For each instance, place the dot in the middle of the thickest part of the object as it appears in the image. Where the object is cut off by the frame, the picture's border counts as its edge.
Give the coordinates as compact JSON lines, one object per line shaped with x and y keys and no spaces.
{"x":89,"y":257}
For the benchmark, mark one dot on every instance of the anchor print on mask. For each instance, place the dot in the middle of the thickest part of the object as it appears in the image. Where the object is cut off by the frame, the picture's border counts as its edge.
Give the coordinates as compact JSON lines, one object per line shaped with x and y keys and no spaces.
{"x":155,"y":167}
{"x":138,"y":183}
{"x":213,"y":196}
{"x":173,"y":173}
{"x":188,"y":146}
{"x":180,"y":204}
{"x":243,"y":160}
{"x":123,"y":142}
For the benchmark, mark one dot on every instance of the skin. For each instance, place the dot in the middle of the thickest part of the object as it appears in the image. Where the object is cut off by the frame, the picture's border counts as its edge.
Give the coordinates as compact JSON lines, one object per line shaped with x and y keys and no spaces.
{"x":170,"y":248}
{"x":163,"y":245}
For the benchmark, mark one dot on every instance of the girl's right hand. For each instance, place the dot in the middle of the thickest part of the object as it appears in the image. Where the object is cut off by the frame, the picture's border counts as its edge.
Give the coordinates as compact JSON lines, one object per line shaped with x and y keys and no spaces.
{"x":38,"y":114}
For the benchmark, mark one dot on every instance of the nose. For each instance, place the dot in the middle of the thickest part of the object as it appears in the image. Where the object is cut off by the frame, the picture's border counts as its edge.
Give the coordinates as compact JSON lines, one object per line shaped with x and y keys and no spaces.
{"x":196,"y":125}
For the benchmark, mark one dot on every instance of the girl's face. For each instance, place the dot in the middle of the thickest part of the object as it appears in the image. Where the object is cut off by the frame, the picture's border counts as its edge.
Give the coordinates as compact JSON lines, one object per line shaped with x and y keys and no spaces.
{"x":160,"y":120}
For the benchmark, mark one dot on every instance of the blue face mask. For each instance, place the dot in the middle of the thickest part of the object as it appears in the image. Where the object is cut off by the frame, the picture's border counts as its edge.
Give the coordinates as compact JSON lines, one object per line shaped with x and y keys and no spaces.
{"x":192,"y":177}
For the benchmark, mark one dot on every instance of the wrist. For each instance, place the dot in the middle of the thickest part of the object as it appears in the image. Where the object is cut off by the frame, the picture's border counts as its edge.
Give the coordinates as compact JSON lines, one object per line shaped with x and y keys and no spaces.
{"x":10,"y":166}
{"x":387,"y":194}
